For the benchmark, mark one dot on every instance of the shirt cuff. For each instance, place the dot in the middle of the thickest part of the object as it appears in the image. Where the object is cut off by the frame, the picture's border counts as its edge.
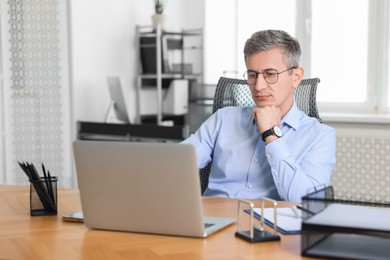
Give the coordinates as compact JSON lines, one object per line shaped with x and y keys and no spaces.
{"x":276,"y":151}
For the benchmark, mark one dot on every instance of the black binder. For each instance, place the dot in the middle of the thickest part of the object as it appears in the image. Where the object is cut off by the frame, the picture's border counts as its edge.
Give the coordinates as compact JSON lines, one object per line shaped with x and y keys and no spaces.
{"x":148,"y":55}
{"x":148,"y":45}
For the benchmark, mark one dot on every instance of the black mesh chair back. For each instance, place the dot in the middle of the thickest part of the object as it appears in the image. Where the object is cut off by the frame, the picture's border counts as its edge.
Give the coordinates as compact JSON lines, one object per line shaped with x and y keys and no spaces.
{"x":235,"y":92}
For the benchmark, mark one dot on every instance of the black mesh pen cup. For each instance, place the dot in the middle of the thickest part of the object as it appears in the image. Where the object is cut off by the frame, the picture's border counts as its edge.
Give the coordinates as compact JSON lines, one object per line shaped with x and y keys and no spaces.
{"x":43,"y":196}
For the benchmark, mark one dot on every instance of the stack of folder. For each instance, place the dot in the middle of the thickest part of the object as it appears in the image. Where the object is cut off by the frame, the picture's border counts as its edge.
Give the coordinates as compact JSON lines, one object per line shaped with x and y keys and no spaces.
{"x":344,"y":229}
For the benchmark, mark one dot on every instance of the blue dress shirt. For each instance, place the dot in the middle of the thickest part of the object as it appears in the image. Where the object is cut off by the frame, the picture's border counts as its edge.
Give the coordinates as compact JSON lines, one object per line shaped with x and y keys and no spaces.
{"x":244,"y":167}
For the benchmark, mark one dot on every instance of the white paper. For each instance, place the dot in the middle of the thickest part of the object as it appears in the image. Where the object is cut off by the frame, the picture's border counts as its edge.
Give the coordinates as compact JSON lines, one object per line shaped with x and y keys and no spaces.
{"x":286,"y":218}
{"x":353,"y":216}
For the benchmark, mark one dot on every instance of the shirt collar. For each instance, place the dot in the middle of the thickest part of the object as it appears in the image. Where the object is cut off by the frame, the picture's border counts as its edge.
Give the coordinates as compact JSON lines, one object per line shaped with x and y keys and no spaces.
{"x":292,"y":117}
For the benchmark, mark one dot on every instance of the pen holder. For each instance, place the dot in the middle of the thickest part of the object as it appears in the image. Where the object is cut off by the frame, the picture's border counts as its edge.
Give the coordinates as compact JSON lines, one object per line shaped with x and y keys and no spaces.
{"x":43,"y":196}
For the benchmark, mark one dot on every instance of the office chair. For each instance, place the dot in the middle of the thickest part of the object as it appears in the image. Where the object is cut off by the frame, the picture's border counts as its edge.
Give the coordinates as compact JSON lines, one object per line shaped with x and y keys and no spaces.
{"x":235,"y":92}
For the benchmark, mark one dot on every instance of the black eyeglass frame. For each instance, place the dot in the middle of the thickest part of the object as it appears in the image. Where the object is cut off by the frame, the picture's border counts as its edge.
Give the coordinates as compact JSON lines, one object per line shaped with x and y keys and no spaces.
{"x":265,"y":78}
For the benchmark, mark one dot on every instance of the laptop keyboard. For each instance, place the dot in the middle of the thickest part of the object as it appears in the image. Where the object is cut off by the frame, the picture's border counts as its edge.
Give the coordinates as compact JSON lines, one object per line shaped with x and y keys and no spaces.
{"x":206,"y":225}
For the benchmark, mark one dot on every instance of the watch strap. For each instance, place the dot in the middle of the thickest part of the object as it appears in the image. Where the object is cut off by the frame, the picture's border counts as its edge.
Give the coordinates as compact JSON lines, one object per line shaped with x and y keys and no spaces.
{"x":267,"y":133}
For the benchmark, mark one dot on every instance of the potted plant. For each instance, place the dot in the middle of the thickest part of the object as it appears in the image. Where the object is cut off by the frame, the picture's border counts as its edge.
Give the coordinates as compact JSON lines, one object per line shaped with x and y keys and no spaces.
{"x":159,"y":17}
{"x":159,"y":6}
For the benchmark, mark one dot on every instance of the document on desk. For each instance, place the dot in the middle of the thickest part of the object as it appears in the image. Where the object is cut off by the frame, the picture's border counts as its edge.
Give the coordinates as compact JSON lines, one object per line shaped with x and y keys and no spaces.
{"x":353,"y":216}
{"x":288,"y":219}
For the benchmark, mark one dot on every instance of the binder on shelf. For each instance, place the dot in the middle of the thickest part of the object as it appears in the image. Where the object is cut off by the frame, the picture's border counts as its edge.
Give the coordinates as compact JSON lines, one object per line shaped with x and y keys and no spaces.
{"x":171,"y":53}
{"x":180,"y":57}
{"x":148,"y":55}
{"x":344,"y":229}
{"x":172,"y":47}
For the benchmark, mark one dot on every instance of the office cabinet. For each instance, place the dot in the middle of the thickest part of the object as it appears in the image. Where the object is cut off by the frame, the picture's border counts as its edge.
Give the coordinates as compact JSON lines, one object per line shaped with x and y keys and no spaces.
{"x":169,"y":65}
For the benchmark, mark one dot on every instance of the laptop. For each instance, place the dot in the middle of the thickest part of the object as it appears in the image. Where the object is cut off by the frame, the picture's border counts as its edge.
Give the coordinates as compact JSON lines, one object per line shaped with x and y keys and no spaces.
{"x":142,"y":187}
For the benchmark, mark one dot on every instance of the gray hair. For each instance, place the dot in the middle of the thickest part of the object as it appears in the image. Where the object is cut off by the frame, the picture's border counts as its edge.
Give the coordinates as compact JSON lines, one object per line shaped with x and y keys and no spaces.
{"x":269,"y":39}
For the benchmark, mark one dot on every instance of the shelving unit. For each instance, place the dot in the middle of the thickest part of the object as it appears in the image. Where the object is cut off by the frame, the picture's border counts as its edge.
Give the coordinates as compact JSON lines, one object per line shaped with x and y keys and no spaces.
{"x":163,"y":57}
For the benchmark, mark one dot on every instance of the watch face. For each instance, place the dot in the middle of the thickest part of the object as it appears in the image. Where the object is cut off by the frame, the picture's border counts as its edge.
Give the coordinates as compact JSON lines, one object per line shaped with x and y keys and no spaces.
{"x":277,"y":131}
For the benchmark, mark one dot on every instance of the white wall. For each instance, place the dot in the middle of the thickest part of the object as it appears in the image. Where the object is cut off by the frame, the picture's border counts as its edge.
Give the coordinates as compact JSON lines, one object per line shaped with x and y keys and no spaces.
{"x":221,"y":48}
{"x":103,"y":44}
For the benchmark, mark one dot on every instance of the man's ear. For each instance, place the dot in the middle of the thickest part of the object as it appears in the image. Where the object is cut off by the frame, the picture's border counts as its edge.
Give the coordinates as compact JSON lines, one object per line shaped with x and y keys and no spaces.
{"x":297,"y":76}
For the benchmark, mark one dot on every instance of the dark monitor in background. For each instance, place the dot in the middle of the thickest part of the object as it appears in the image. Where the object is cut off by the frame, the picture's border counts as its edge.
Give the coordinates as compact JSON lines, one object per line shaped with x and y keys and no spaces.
{"x":117,"y":108}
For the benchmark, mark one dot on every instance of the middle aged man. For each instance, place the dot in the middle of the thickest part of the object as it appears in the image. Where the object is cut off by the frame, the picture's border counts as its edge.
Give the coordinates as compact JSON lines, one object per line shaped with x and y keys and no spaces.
{"x":273,"y":149}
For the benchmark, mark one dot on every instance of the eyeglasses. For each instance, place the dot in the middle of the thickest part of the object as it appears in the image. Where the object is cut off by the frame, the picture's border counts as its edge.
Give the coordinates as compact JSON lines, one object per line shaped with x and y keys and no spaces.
{"x":271,"y":76}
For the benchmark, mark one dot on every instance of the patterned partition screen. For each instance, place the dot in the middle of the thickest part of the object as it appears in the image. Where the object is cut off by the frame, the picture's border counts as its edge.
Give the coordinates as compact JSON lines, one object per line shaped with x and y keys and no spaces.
{"x":36,"y":87}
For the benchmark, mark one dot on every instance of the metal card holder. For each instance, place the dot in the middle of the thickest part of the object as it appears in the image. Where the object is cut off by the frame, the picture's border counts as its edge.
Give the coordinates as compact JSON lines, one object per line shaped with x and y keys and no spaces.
{"x":256,"y":234}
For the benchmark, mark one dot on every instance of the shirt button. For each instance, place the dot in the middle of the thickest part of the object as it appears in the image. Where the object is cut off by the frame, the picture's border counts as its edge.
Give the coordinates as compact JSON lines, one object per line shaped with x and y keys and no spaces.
{"x":268,"y":155}
{"x":249,"y":185}
{"x":277,"y":181}
{"x":256,"y":160}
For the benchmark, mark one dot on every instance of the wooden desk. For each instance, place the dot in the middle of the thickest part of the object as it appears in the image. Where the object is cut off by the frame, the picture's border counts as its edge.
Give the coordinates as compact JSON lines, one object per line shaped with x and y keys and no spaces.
{"x":48,"y":237}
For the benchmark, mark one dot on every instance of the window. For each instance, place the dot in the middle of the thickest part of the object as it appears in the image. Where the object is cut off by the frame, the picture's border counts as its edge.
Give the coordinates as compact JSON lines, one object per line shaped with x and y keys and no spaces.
{"x":225,"y":36}
{"x":255,"y":15}
{"x":339,"y":48}
{"x":344,"y":43}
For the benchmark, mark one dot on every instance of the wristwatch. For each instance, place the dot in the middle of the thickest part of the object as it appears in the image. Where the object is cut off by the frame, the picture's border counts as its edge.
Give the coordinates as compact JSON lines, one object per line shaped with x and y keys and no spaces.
{"x":275,"y":130}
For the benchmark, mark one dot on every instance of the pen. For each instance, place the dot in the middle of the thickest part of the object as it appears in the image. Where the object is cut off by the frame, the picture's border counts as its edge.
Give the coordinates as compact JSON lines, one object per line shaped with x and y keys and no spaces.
{"x":46,"y":179}
{"x":305,"y":210}
{"x":51,"y":187}
{"x":48,"y":183}
{"x":24,"y":168}
{"x":296,"y":212}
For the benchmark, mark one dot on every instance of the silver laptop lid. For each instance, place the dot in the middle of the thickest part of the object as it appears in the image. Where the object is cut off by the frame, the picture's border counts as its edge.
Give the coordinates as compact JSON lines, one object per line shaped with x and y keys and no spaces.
{"x":140,"y":187}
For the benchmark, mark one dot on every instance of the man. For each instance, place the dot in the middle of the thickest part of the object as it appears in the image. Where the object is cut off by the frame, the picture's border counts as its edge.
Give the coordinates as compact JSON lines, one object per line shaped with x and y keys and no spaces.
{"x":273,"y":149}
